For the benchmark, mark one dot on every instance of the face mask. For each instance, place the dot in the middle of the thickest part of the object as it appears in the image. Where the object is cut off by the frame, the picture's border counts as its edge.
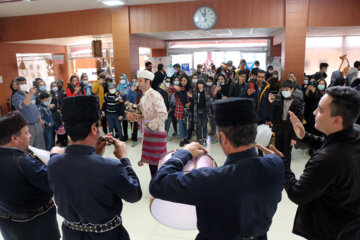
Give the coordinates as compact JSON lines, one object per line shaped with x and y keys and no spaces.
{"x":24,"y":88}
{"x":176,"y":83}
{"x":112,"y":91}
{"x":42,"y":88}
{"x":54,"y":89}
{"x":222,"y":84}
{"x":122,"y":82}
{"x":321,"y":87}
{"x":167,"y":84}
{"x":135,"y":84}
{"x":222,"y":73}
{"x":194,"y":81}
{"x":209,"y":84}
{"x":306,"y":82}
{"x":271,"y":71}
{"x":255,"y":66}
{"x":47,"y":103}
{"x":312,"y":81}
{"x":275,"y":76}
{"x":286,"y":94}
{"x":86,"y":83}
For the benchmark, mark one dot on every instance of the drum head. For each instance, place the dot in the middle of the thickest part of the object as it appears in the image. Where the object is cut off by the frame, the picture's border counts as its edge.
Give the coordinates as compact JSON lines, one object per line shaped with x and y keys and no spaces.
{"x":174,"y":215}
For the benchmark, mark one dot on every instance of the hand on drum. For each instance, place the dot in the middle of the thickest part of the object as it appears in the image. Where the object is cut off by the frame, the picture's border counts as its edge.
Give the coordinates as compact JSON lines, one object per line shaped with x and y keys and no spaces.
{"x":196,"y":149}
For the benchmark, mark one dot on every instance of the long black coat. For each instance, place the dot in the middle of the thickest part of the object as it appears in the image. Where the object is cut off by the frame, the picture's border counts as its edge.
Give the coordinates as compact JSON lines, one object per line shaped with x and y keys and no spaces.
{"x":328,"y":191}
{"x":276,"y":111}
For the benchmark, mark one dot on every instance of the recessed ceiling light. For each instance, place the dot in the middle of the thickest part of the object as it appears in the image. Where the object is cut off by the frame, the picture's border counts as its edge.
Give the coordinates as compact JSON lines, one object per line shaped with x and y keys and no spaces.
{"x":111,"y":3}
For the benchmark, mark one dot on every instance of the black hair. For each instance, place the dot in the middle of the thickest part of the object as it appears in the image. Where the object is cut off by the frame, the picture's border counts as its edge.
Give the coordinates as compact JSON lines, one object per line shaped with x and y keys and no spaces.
{"x":287,"y":83}
{"x":176,"y":65}
{"x":43,"y":95}
{"x":72,"y":77}
{"x":345,"y":103}
{"x":10,"y":125}
{"x":322,"y":79}
{"x":160,"y":67}
{"x":322,"y":65}
{"x":148,"y":64}
{"x":37,"y":82}
{"x":241,"y":72}
{"x":210,"y":78}
{"x":20,"y":79}
{"x":83,"y":75}
{"x":356,"y":64}
{"x":188,"y":86}
{"x":260,"y":71}
{"x":257,"y":62}
{"x":80,"y":131}
{"x":168,"y":78}
{"x":270,"y":66}
{"x":339,"y":82}
{"x":52,"y":84}
{"x":99,"y":71}
{"x":240,"y":135}
{"x":195,"y":74}
{"x":242,"y":61}
{"x":11,"y":86}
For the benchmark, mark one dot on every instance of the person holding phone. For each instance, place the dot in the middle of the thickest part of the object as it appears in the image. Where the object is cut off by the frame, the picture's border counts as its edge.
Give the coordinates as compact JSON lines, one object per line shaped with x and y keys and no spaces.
{"x":285,"y":137}
{"x":74,"y":87}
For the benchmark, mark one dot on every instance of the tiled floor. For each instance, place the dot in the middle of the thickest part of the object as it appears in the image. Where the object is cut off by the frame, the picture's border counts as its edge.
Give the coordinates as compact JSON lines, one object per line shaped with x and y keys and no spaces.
{"x":142,"y":226}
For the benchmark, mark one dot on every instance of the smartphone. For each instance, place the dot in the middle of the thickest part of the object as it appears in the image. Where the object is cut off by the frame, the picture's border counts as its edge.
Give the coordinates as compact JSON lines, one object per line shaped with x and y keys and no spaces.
{"x":77,"y":84}
{"x":252,"y":86}
{"x":277,"y":97}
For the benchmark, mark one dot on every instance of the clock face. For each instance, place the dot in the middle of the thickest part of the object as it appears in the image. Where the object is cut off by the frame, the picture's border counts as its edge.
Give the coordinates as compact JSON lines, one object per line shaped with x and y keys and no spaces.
{"x":205,"y":18}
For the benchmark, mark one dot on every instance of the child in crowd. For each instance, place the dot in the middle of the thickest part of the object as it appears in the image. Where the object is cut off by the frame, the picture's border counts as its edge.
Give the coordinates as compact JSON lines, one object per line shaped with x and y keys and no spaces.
{"x":114,"y":110}
{"x":46,"y":116}
{"x":134,"y":96}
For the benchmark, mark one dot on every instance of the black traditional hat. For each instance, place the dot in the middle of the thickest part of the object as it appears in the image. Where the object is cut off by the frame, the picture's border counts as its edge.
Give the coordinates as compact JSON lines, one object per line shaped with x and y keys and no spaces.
{"x":79,"y":109}
{"x":234,"y":111}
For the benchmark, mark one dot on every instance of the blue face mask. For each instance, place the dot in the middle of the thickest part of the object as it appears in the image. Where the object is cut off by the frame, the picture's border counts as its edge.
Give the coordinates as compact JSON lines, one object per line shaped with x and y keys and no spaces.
{"x":306,"y":82}
{"x":321,"y":87}
{"x":135,"y":84}
{"x":47,"y":103}
{"x":42,"y":88}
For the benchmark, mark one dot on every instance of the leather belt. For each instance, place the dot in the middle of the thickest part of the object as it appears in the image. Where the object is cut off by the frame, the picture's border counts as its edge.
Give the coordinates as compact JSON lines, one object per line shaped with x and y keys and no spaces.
{"x":94,"y":228}
{"x":24,"y":217}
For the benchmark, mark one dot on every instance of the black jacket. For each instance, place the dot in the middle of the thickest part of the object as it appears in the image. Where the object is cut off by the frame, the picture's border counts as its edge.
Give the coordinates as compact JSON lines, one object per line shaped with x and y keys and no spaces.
{"x":276,"y":112}
{"x":165,"y":96}
{"x":158,"y":79}
{"x":235,"y":89}
{"x":328,"y":191}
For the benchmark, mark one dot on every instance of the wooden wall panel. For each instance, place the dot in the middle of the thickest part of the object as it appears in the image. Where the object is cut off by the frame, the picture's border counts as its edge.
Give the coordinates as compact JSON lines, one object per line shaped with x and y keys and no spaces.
{"x":332,"y":13}
{"x":8,"y":64}
{"x":293,"y":48}
{"x":231,"y":14}
{"x":158,"y":52}
{"x":56,"y":25}
{"x":121,"y":40}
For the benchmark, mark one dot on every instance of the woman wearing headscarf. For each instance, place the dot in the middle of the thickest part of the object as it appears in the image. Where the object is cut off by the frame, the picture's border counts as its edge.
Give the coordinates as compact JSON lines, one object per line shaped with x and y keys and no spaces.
{"x":123,"y":89}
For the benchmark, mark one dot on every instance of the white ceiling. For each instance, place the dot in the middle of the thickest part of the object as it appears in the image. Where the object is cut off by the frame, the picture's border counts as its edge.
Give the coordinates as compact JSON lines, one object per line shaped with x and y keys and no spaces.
{"x":333,"y":31}
{"x":221,"y":33}
{"x":52,"y":6}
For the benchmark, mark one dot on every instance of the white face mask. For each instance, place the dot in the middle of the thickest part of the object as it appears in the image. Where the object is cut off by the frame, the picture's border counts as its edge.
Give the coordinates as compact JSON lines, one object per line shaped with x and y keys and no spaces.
{"x":112,"y":91}
{"x":286,"y":94}
{"x":176,"y":83}
{"x":209,"y":84}
{"x":24,"y":87}
{"x":122,"y":82}
{"x":167,"y":84}
{"x":275,"y":76}
{"x":54,"y":89}
{"x":194,"y":81}
{"x":86,"y":83}
{"x":271,"y":71}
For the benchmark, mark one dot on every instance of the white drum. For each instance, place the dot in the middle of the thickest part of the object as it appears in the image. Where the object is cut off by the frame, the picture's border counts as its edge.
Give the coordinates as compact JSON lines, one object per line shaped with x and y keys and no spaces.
{"x":177,"y":215}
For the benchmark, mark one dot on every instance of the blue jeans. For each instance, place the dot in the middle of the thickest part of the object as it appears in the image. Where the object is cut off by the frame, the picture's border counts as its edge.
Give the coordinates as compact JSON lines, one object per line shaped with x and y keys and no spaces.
{"x":182,"y":129}
{"x":48,"y":137}
{"x":113,"y":120}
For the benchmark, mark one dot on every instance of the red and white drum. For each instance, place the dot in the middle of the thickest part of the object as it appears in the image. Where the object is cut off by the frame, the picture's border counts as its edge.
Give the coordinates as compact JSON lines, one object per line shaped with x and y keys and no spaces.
{"x":177,"y":215}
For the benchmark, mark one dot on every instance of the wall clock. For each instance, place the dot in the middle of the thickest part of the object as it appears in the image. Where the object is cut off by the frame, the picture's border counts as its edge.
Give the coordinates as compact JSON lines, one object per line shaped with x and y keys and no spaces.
{"x":205,"y":18}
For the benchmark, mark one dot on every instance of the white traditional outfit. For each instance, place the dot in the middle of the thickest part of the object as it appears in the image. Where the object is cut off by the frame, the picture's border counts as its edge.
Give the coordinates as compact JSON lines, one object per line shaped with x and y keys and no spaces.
{"x":154,"y":114}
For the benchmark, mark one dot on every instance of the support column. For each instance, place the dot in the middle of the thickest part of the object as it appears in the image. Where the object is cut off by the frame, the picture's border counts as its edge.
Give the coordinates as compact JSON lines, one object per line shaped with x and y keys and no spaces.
{"x":293,"y":49}
{"x":121,"y":40}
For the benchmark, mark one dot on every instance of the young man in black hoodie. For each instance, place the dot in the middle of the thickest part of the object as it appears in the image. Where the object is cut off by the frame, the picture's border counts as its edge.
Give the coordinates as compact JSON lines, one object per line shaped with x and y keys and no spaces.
{"x":285,"y":137}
